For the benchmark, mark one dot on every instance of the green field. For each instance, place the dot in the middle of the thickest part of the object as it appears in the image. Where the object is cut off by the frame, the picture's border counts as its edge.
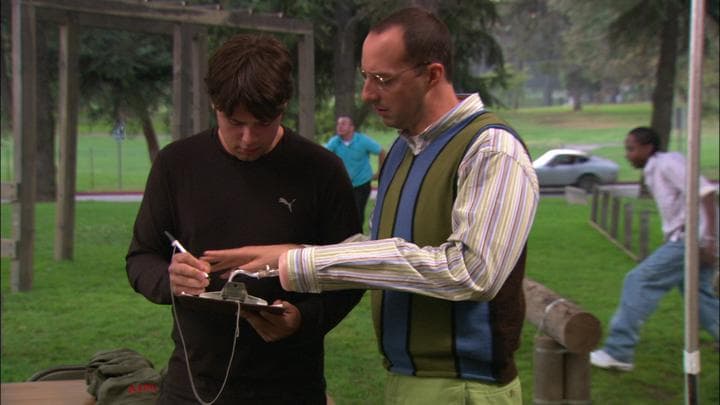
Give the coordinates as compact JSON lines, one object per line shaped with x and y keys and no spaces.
{"x":106,"y":165}
{"x":601,"y":128}
{"x":79,"y":307}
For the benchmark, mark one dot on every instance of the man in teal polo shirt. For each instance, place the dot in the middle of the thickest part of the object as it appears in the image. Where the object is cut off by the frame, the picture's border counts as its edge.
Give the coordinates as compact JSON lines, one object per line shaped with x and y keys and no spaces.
{"x":355,"y":148}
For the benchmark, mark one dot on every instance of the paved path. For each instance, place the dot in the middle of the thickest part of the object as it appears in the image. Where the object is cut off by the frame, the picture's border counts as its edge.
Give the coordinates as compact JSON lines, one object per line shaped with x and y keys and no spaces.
{"x":622,"y":189}
{"x":113,"y":196}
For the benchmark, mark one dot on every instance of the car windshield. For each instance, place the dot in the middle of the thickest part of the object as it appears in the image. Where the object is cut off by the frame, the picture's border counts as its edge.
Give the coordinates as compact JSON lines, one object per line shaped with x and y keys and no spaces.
{"x":551,"y":155}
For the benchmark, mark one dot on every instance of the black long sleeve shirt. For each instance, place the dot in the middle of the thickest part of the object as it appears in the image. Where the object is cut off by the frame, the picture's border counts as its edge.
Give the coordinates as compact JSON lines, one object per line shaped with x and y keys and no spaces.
{"x":208,"y":199}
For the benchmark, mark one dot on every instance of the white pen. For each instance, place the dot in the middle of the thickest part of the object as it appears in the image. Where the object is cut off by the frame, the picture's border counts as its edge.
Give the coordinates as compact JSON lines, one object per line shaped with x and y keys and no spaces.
{"x":176,"y":243}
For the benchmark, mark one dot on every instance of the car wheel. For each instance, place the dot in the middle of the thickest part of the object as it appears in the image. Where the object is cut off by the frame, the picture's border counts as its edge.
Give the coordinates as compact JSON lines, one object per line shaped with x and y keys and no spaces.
{"x":587,"y":182}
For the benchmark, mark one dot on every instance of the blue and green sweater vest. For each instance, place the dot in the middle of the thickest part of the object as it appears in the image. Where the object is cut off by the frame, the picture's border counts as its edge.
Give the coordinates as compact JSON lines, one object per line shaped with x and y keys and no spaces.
{"x":424,"y":336}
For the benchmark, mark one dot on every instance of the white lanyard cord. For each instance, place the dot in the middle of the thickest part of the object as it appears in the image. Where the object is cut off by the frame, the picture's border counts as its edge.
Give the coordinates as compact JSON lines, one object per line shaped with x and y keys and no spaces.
{"x":187,"y":359}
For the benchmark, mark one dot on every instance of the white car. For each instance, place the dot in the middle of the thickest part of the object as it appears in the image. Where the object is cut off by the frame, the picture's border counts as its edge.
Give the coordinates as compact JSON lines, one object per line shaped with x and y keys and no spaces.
{"x":570,"y":167}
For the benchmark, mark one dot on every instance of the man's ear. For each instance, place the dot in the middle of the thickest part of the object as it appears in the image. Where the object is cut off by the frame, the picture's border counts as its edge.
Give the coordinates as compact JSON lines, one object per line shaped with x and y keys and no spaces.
{"x":436,"y":73}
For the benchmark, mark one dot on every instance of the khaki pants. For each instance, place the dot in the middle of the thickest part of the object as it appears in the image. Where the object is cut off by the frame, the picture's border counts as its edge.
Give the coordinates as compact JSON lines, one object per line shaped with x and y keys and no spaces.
{"x":408,"y":390}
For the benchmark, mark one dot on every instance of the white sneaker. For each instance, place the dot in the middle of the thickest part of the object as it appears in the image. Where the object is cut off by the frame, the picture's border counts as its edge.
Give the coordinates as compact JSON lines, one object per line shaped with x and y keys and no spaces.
{"x":599,"y":358}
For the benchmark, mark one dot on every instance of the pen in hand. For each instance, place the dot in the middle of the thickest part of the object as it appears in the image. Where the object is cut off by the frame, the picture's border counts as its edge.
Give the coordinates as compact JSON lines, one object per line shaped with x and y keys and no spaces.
{"x":176,"y":243}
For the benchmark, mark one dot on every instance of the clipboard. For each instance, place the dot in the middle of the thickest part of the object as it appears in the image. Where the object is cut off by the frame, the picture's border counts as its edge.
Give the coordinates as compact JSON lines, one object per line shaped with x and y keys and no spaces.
{"x":213,"y":301}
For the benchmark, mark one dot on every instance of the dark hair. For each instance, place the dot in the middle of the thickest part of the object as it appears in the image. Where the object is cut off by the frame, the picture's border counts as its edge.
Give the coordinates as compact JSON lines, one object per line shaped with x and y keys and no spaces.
{"x":349,"y":118}
{"x":252,"y":71}
{"x":645,"y":136}
{"x":427,"y":39}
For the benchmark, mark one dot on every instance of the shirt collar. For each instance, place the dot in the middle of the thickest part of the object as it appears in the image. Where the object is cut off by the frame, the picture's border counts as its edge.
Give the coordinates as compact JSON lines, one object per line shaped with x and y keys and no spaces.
{"x":650,"y":164}
{"x":419,"y":142}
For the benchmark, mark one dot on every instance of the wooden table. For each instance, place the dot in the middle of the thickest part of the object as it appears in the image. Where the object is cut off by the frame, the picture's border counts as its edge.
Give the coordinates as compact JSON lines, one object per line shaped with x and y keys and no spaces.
{"x":67,"y":392}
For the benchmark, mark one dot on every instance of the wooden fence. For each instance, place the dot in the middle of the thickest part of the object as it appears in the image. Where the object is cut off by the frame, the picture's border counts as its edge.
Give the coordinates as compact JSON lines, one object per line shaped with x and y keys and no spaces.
{"x":609,"y":210}
{"x":561,"y":356}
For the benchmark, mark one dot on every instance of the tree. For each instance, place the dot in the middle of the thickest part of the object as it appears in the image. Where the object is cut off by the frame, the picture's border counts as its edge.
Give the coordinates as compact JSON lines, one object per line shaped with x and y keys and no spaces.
{"x":348,"y":24}
{"x":126,"y":75}
{"x":123,"y":75}
{"x":341,"y":25}
{"x":478,"y":58}
{"x":531,"y":36}
{"x":661,"y":24}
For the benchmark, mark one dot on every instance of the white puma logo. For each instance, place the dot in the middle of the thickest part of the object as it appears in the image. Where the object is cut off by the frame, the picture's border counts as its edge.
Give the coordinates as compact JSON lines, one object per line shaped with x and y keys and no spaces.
{"x":289,"y":204}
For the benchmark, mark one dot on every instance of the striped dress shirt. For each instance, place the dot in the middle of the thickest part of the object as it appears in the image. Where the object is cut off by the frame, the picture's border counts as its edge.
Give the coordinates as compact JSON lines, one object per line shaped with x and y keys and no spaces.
{"x":497,"y":196}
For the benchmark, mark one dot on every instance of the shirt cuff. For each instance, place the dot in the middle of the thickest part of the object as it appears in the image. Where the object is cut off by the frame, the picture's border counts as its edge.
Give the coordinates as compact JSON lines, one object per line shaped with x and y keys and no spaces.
{"x":301,"y":270}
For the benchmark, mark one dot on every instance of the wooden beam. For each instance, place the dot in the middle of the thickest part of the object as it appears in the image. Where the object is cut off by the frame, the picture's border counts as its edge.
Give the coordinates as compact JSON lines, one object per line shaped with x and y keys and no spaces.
{"x":614,"y":216}
{"x":614,"y":241}
{"x":67,"y":125}
{"x":568,"y":324}
{"x":627,"y":223}
{"x":96,"y":20}
{"x":577,"y":377}
{"x":138,"y":9}
{"x":8,"y":248}
{"x":547,"y":370}
{"x":9,"y":192}
{"x":24,"y":48}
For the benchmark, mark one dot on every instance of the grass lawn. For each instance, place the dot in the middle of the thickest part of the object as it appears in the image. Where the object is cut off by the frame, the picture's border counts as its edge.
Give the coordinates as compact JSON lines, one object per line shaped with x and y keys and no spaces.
{"x":603,"y":127}
{"x":106,"y":165}
{"x":78,"y":307}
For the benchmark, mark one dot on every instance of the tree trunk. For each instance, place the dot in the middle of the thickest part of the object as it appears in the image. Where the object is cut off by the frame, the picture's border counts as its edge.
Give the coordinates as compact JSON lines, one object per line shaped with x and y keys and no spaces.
{"x":141,"y":111}
{"x":46,"y":170}
{"x":576,"y":99}
{"x":548,"y":91}
{"x":361,"y":114}
{"x":517,"y":93}
{"x":662,"y":98}
{"x":344,"y":59}
{"x":150,"y":136}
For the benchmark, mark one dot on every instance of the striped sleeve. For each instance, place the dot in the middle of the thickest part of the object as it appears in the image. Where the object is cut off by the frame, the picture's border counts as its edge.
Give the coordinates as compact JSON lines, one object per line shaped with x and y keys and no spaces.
{"x":491,"y":220}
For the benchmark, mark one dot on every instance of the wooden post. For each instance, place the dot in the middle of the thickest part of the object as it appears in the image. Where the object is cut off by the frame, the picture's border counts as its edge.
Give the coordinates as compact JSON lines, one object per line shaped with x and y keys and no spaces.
{"x":199,"y":56}
{"x":614,"y":217}
{"x":24,"y":58}
{"x":643,"y":242}
{"x":182,"y":86}
{"x":67,"y":124}
{"x":569,"y":325}
{"x":594,"y":210}
{"x":306,"y":85}
{"x":548,"y":371}
{"x":577,"y":378}
{"x":628,"y":222}
{"x":575,"y":195}
{"x":604,"y":209}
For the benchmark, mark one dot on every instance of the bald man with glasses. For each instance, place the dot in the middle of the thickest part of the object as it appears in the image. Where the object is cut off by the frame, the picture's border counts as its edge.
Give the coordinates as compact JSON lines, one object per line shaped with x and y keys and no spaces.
{"x":456,"y":199}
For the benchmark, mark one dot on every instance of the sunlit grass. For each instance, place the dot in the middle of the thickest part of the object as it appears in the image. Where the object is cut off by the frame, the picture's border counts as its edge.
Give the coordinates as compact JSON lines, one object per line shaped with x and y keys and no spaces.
{"x":78,"y":307}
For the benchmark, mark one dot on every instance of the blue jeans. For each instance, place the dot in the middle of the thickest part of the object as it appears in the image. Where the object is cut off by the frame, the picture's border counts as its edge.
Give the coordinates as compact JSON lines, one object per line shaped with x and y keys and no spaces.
{"x":643,"y":288}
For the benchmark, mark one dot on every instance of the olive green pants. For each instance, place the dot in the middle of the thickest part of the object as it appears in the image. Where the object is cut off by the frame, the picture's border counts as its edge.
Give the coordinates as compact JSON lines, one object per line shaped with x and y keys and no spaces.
{"x":408,"y":390}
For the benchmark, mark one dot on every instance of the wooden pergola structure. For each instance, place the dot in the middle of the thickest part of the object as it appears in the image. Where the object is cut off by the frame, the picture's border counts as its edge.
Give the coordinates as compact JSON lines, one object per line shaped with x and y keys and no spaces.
{"x":188,"y":27}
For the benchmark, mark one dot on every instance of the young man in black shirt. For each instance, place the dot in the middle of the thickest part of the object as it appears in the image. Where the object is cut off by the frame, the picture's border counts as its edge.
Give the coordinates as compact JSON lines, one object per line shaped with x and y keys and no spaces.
{"x":250,"y":181}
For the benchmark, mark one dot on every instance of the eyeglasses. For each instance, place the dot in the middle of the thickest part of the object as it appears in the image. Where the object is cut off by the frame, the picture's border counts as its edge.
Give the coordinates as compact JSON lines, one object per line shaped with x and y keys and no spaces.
{"x":383,"y":81}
